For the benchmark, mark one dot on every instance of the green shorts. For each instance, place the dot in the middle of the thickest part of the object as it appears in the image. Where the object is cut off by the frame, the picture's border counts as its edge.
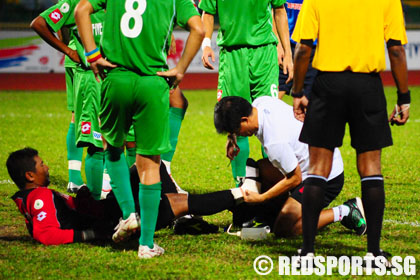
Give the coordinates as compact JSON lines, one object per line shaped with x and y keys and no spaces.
{"x":69,"y":87}
{"x":86,"y":110}
{"x":248,"y":72}
{"x":129,"y":98}
{"x":130,"y":136}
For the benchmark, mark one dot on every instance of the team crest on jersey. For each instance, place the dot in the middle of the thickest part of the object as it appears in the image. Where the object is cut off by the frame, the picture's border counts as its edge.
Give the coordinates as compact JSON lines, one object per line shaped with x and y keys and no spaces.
{"x":219,"y":94}
{"x":86,"y":127}
{"x":42,"y":215}
{"x":38,"y":204}
{"x":55,"y":16}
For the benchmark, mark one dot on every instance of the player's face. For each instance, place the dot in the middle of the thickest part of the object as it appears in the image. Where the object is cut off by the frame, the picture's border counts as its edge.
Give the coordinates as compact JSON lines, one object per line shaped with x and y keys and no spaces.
{"x":246,"y":129}
{"x":41,"y":175}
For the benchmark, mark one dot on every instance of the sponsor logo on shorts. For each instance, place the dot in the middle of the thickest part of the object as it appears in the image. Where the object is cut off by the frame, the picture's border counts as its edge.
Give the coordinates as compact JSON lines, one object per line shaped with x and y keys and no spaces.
{"x":38,"y":204}
{"x":97,"y":135}
{"x":42,"y":215}
{"x":86,"y":127}
{"x":219,"y":94}
{"x":55,"y":16}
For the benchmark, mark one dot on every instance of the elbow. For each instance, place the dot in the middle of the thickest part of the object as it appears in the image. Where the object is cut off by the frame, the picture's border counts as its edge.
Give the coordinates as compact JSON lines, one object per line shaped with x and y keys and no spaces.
{"x":35,"y":24}
{"x":396,"y":52}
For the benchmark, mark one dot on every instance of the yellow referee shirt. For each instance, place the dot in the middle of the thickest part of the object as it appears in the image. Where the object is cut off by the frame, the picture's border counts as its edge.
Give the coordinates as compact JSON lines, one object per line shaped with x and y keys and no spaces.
{"x":350,"y":33}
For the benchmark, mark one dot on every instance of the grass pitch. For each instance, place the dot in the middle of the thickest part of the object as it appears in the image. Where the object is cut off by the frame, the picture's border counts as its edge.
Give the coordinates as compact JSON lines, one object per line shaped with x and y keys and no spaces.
{"x":40,"y":120}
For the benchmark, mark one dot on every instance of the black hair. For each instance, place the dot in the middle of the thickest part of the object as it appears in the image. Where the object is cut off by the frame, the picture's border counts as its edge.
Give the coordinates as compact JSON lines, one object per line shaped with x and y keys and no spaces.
{"x":20,"y":162}
{"x":228,"y":113}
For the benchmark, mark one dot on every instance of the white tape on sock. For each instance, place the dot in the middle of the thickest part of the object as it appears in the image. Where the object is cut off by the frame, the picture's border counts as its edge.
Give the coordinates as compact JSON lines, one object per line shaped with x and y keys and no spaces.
{"x":251,"y":185}
{"x":75,"y":165}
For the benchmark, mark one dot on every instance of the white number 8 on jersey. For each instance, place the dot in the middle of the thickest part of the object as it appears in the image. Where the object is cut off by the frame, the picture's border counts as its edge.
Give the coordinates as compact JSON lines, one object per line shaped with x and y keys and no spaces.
{"x":134,"y":14}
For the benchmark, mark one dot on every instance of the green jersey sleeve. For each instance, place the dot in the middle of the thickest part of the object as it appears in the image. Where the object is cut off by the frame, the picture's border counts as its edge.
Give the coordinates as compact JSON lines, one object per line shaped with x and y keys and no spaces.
{"x":98,"y":4}
{"x":209,"y":6}
{"x":277,"y":3}
{"x":184,"y":11}
{"x":59,"y":15}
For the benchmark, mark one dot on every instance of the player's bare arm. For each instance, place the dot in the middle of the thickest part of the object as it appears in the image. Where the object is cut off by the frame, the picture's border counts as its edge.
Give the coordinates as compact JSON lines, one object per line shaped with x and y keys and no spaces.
{"x":300,"y":102}
{"x":401,"y":112}
{"x":192,"y":46}
{"x":282,"y":26}
{"x":280,"y":50}
{"x":41,"y":27}
{"x":208,"y":21}
{"x":82,"y":16}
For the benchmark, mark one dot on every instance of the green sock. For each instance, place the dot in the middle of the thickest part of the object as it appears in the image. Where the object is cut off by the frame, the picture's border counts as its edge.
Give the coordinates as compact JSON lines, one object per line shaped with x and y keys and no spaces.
{"x":94,"y":169}
{"x":120,"y":180}
{"x":74,"y":157}
{"x":263,"y":153}
{"x":130,"y":156}
{"x":239,"y":162}
{"x":176,"y":115}
{"x":149,"y":199}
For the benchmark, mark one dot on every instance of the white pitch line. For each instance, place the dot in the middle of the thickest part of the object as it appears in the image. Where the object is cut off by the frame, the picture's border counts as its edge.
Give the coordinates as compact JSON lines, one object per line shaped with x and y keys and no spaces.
{"x":413,"y":224}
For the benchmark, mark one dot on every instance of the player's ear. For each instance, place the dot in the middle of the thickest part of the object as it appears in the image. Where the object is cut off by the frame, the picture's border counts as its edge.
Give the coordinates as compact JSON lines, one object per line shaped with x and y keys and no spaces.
{"x":30,"y":176}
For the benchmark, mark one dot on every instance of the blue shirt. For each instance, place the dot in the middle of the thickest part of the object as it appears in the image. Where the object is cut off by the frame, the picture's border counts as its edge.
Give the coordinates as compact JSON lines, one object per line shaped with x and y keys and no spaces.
{"x":292,"y":9}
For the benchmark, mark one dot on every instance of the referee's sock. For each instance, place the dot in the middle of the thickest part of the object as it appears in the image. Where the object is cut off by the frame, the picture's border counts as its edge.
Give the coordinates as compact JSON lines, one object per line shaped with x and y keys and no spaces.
{"x":149,"y":199}
{"x":373,"y":198}
{"x":176,"y":116}
{"x":239,"y":162}
{"x":312,"y":202}
{"x":74,"y":157}
{"x":120,"y":179}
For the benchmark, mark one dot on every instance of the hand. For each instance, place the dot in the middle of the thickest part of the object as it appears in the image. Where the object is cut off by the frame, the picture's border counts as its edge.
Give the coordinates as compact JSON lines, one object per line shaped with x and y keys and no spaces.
{"x":173,"y":76}
{"x":172,"y":48}
{"x":99,"y":66}
{"x":253,"y":197}
{"x":299,"y":107}
{"x":280,"y":55}
{"x":208,"y":52}
{"x":73,"y":55}
{"x":232,"y":148}
{"x":399,"y":115}
{"x":288,"y":67}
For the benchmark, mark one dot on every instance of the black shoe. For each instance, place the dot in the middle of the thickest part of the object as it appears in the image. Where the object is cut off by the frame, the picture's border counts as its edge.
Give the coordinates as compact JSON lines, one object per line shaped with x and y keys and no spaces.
{"x":194,"y":226}
{"x":356,"y":218}
{"x":386,"y":256}
{"x":297,"y":259}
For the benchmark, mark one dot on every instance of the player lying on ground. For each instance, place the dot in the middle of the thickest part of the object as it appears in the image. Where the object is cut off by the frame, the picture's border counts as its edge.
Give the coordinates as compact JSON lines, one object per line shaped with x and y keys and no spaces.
{"x":273,"y":122}
{"x":54,"y":218}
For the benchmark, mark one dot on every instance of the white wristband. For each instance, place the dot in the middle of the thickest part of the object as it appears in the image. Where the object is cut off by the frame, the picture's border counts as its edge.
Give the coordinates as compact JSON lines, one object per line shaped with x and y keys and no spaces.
{"x":206,"y":43}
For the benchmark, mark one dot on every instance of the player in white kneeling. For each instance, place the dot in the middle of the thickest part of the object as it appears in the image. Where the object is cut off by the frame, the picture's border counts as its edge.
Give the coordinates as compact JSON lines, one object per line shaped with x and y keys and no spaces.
{"x":273,"y":122}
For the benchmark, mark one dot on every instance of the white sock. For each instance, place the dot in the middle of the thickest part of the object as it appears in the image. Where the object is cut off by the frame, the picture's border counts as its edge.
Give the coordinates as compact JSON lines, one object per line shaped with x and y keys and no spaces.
{"x":340,"y":212}
{"x":251,"y":185}
{"x":167,"y":165}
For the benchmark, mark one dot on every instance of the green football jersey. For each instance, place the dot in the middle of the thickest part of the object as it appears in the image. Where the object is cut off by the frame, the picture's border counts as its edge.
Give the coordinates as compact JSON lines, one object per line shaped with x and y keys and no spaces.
{"x":243,"y":22}
{"x":137,"y":32}
{"x":62,"y":15}
{"x":67,"y":61}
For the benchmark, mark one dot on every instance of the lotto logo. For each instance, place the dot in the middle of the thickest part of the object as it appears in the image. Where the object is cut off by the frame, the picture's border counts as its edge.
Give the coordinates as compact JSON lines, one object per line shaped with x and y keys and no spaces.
{"x":219,"y":94}
{"x":86,"y":127}
{"x":56,"y":15}
{"x":42,"y":215}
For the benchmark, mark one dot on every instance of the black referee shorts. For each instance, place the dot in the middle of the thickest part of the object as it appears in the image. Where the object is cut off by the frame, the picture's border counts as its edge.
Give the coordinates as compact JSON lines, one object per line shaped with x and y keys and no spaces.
{"x":341,"y":97}
{"x":334,"y":187}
